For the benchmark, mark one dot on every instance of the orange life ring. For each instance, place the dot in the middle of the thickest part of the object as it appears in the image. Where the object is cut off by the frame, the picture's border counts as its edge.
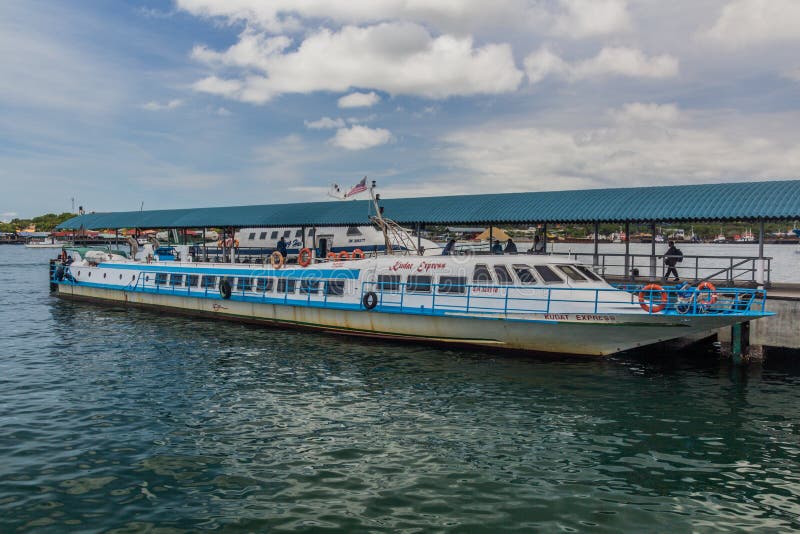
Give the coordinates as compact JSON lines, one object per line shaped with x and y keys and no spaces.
{"x":709,"y":299}
{"x":276,"y":260}
{"x":236,"y":243}
{"x":343,"y":255}
{"x":358,"y":254}
{"x":647,"y":304}
{"x":304,"y":258}
{"x":220,"y":243}
{"x":331,"y":255}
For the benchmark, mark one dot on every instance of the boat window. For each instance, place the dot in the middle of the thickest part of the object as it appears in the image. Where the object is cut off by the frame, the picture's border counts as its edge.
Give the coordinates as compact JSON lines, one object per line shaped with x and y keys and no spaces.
{"x":161,"y":279}
{"x":176,"y":280}
{"x":389,"y":282}
{"x":481,"y":275}
{"x":334,"y":287}
{"x":287,"y":233}
{"x":309,"y":286}
{"x":452,"y":284}
{"x":209,"y":281}
{"x":418,"y":284}
{"x":572,"y":273}
{"x":244,"y":283}
{"x":547,"y":274}
{"x":264,"y":284}
{"x":311,"y":232}
{"x":274,"y":235}
{"x":262,"y":236}
{"x":286,"y":285}
{"x":503,"y":276}
{"x":353,"y":230}
{"x":191,"y":280}
{"x":589,"y":273}
{"x":524,"y":274}
{"x":298,"y":233}
{"x":252,"y":236}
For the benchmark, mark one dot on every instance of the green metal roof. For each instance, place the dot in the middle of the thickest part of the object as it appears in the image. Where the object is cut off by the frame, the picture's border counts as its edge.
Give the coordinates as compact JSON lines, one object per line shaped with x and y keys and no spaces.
{"x":708,"y":202}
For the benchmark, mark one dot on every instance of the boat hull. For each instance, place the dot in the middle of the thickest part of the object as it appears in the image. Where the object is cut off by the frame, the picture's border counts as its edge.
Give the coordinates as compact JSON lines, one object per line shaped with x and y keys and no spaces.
{"x":559,"y":334}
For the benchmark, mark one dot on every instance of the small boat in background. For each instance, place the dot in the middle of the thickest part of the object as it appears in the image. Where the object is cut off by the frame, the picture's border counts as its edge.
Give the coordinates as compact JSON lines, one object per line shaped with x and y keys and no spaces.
{"x":47,"y":243}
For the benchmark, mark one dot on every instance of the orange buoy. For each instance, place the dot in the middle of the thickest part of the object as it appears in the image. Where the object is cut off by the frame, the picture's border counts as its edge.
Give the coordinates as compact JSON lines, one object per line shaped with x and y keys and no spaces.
{"x":358,"y":254}
{"x":331,"y":256}
{"x":656,"y":294}
{"x":276,"y":260}
{"x":706,"y":298}
{"x":343,"y":255}
{"x":304,"y":258}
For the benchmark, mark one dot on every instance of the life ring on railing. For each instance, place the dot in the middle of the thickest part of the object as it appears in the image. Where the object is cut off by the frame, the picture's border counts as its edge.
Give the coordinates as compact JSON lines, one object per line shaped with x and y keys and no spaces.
{"x":220,"y":243}
{"x":225,"y":288}
{"x":343,"y":255}
{"x":706,"y":299}
{"x":304,"y":258}
{"x":358,"y":254}
{"x":370,"y":300}
{"x":652,"y":290}
{"x":276,"y":260}
{"x":331,"y":256}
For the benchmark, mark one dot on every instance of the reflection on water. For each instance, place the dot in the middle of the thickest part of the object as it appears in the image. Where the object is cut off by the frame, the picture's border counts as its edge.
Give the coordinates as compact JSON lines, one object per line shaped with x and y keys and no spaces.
{"x":117,"y":419}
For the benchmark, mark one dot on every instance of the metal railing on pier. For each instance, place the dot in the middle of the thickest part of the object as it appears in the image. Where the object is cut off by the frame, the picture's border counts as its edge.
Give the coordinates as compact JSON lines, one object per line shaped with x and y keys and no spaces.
{"x":731,"y":270}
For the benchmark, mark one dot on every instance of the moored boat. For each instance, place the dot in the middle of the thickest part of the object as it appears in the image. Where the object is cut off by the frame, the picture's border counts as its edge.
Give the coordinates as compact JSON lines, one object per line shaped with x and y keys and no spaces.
{"x":522,"y":302}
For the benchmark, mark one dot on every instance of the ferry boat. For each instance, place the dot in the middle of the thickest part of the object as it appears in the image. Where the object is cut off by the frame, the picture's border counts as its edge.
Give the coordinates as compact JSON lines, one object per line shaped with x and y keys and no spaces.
{"x":540,"y":303}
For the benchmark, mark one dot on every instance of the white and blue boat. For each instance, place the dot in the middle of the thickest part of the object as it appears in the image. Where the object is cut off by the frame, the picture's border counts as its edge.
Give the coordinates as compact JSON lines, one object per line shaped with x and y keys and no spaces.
{"x":535,"y":303}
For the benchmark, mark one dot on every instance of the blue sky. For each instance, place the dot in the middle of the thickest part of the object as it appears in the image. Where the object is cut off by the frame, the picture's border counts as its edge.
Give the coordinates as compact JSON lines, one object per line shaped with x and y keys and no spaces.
{"x":204,"y":102}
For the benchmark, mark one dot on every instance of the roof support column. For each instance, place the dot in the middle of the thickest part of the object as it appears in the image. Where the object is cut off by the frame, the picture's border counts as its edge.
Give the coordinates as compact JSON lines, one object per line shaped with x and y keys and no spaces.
{"x":419,"y":240}
{"x":303,"y":236}
{"x":491,"y":240}
{"x":653,"y":251}
{"x":760,"y":266}
{"x":596,"y":259}
{"x":544,"y":238}
{"x":205,"y":250}
{"x":627,"y":273}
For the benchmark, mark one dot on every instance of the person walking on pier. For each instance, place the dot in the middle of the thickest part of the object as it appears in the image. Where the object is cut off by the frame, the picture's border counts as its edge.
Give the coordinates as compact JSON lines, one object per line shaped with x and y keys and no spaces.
{"x":282,"y":247}
{"x":671,"y":258}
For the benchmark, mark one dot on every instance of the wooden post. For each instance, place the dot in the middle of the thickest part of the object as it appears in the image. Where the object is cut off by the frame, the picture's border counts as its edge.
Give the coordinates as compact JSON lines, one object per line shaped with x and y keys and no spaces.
{"x":596,"y":259}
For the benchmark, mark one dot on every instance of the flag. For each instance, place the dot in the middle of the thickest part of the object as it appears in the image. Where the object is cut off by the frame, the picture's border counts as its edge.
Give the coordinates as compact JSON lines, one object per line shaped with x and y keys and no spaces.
{"x":358,"y":188}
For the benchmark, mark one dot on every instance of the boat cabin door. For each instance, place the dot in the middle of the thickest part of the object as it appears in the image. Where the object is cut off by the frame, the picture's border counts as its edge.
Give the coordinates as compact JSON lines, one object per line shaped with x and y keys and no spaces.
{"x":324,"y":244}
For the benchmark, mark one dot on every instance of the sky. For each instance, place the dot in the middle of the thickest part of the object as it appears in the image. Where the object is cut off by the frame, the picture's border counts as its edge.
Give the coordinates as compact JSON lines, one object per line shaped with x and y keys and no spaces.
{"x":165,"y":104}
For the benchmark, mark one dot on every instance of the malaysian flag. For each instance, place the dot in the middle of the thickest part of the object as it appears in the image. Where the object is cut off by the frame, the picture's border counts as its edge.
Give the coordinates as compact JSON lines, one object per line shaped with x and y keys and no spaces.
{"x":358,"y":188}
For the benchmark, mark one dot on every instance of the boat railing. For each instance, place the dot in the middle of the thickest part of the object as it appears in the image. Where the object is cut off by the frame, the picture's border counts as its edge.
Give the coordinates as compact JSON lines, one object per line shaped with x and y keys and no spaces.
{"x":469,"y":298}
{"x":440,"y":298}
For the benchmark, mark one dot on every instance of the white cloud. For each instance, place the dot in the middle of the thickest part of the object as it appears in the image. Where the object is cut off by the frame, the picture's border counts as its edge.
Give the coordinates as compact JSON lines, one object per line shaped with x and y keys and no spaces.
{"x":157,"y":106}
{"x":360,"y":137}
{"x":588,"y":18}
{"x":276,"y":16}
{"x":619,"y":61}
{"x":640,"y":144}
{"x":359,"y":100}
{"x":398,"y":58}
{"x":744,"y":22}
{"x":223,"y":112}
{"x":7,"y":216}
{"x":325,"y":123}
{"x":792,"y":74}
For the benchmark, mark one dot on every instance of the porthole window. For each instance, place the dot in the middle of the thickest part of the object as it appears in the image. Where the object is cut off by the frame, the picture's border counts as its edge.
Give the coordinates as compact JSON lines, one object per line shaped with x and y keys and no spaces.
{"x":104,"y":275}
{"x":120,"y":277}
{"x":90,"y":274}
{"x":133,"y":276}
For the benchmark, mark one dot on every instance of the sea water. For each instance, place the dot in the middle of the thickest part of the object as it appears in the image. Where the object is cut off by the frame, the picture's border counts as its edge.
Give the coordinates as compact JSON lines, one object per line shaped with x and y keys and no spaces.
{"x":115,"y":419}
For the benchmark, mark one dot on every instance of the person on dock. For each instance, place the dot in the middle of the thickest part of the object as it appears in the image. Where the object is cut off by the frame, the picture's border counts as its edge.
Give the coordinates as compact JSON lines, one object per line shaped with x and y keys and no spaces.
{"x":671,"y":258}
{"x":538,"y":246}
{"x":511,"y":247}
{"x":282,"y":247}
{"x":497,"y":248}
{"x":449,"y":248}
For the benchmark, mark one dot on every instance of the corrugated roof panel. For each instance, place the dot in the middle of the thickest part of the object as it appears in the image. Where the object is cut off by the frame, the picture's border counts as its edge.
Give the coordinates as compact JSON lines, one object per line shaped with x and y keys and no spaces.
{"x":744,"y":200}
